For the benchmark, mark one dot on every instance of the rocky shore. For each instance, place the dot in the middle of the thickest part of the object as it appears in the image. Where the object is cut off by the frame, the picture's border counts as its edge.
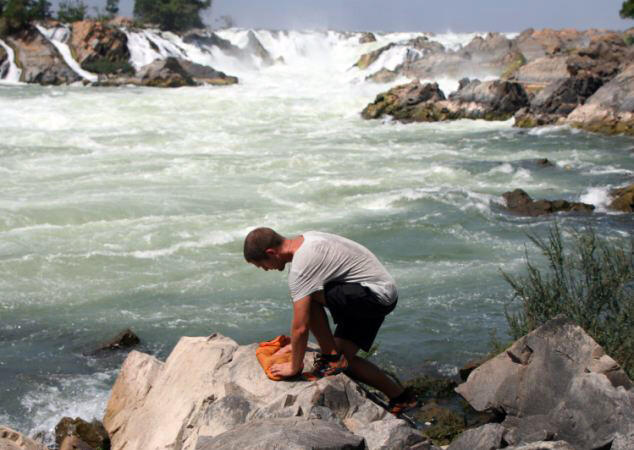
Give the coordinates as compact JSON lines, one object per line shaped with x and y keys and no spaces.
{"x":554,"y":388}
{"x":581,"y":78}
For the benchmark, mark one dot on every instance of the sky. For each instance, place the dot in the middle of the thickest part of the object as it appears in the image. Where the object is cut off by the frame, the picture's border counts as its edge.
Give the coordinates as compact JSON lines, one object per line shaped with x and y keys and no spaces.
{"x":411,"y":15}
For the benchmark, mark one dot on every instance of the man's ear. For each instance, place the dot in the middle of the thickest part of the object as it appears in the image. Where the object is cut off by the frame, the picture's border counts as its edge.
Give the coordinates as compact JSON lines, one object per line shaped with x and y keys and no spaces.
{"x":270,"y":252}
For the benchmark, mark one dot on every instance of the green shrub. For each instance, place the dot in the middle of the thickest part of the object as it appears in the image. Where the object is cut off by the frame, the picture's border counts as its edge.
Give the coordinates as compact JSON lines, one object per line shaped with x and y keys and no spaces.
{"x":107,"y":67}
{"x":71,"y":11}
{"x":172,"y":15}
{"x":591,"y":283}
{"x":629,"y":40}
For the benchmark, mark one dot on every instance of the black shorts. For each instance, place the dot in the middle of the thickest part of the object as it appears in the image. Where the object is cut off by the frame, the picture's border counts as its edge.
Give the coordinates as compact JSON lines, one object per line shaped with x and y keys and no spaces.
{"x":357,"y":312}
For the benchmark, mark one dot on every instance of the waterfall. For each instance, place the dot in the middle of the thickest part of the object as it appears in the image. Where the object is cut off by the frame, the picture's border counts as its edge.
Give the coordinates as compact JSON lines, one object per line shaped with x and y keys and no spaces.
{"x":13,"y":73}
{"x":59,"y":37}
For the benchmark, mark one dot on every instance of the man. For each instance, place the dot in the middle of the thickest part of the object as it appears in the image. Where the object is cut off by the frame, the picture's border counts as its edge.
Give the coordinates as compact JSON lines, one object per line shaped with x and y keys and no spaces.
{"x":330,"y":271}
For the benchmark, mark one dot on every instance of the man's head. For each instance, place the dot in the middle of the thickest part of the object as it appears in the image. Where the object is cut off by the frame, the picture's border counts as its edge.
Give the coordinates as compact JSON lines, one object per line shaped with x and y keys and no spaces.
{"x":263,"y":248}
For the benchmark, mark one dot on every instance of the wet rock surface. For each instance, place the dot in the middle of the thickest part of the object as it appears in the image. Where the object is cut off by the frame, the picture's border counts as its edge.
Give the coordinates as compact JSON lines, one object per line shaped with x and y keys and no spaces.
{"x":366,"y":38}
{"x":40,"y":61}
{"x":520,"y":203}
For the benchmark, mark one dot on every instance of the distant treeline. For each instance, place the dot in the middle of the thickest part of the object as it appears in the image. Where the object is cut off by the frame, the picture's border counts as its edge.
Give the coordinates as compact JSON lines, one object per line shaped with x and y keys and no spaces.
{"x":173,"y":15}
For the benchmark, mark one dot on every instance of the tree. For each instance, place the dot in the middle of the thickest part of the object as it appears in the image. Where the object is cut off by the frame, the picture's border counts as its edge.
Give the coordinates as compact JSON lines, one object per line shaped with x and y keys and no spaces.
{"x":41,"y":10}
{"x":627,"y":10}
{"x":15,"y":15}
{"x":173,"y":15}
{"x":112,"y":7}
{"x":71,"y":11}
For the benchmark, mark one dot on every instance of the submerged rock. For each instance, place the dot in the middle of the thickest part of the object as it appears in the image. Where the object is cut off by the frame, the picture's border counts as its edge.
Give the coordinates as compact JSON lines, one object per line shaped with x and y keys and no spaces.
{"x":623,"y":199}
{"x":211,"y":386}
{"x":555,"y":383}
{"x":13,"y":440}
{"x":207,"y":75}
{"x":40,"y":61}
{"x":125,"y":339}
{"x":519,"y":202}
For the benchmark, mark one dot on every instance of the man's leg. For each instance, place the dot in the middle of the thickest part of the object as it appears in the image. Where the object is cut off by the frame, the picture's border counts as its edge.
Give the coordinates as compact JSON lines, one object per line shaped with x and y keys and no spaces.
{"x":319,"y":325}
{"x":366,"y":372}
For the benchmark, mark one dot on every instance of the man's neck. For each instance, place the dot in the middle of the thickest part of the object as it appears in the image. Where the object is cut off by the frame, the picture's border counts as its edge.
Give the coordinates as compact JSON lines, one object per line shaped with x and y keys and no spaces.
{"x":291,"y":246}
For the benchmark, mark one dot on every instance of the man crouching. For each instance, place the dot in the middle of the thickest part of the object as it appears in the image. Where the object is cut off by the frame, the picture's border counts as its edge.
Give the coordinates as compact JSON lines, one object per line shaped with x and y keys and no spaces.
{"x":330,"y":271}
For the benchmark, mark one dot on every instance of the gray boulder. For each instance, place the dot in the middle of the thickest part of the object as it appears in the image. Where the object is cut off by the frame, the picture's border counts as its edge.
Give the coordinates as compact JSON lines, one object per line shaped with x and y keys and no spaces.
{"x":559,"y":377}
{"x":40,"y":61}
{"x":212,"y":387}
{"x":486,"y":437}
{"x":290,"y":433}
{"x":367,"y":37}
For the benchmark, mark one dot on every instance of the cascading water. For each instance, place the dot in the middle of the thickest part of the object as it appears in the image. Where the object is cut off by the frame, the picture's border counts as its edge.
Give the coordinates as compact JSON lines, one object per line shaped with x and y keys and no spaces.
{"x":12,"y":71}
{"x":59,"y":36}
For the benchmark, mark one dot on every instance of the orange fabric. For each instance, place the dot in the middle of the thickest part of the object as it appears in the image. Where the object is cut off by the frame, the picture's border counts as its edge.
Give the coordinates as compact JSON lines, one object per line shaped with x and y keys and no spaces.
{"x":265,"y":351}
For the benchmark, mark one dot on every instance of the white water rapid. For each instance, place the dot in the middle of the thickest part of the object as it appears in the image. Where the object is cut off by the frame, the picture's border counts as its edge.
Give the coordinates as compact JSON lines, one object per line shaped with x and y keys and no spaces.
{"x":13,"y":72}
{"x":59,"y":36}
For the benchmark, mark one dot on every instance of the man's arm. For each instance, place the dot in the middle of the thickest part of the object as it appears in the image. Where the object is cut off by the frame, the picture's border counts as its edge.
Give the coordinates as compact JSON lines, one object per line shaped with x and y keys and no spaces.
{"x":299,"y":339}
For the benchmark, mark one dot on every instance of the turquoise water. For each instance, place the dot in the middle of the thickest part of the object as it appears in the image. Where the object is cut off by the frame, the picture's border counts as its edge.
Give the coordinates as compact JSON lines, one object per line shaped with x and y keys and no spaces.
{"x":127,"y":208}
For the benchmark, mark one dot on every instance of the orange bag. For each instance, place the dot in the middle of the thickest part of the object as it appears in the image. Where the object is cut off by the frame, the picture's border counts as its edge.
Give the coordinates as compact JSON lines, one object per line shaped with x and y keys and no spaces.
{"x":265,"y":351}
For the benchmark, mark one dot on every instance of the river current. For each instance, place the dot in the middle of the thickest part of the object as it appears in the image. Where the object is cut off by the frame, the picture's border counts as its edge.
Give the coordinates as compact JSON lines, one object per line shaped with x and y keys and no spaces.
{"x":126,"y":207}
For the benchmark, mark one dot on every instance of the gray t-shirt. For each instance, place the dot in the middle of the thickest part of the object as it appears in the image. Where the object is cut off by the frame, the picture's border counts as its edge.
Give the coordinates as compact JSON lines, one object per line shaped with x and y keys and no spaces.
{"x":325,"y":257}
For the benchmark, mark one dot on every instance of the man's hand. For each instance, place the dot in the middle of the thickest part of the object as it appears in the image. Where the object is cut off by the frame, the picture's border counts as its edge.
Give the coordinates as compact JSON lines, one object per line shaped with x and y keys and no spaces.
{"x":283,"y":350}
{"x":284,"y":370}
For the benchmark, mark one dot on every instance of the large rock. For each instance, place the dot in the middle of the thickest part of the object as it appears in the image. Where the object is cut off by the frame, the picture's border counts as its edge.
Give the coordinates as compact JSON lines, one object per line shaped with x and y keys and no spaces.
{"x":367,"y":37}
{"x":482,"y":57}
{"x":4,"y":63}
{"x":535,"y":44}
{"x":403,"y":102}
{"x":413,"y":102}
{"x":211,"y":386}
{"x":623,"y":199}
{"x":288,"y":433}
{"x":611,"y":109}
{"x":486,"y":437}
{"x":255,"y":47}
{"x":519,"y":202}
{"x":91,"y":433}
{"x":95,"y":42}
{"x":416,"y":48}
{"x":541,"y":72}
{"x":207,"y":75}
{"x":553,"y":104}
{"x":556,"y":382}
{"x":39,"y":59}
{"x":171,"y":72}
{"x":13,"y":440}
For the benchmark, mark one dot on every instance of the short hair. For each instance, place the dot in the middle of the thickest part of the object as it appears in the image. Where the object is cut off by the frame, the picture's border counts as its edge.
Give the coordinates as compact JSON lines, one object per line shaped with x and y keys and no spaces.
{"x":258,"y":241}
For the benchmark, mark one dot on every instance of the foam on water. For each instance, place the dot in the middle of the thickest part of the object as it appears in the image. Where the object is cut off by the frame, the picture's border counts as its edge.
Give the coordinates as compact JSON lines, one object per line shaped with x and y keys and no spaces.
{"x":598,"y":196}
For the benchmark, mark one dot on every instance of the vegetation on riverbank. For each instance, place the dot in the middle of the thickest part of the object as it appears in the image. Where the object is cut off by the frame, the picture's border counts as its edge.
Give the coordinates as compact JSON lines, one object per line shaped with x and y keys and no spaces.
{"x":590,"y":281}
